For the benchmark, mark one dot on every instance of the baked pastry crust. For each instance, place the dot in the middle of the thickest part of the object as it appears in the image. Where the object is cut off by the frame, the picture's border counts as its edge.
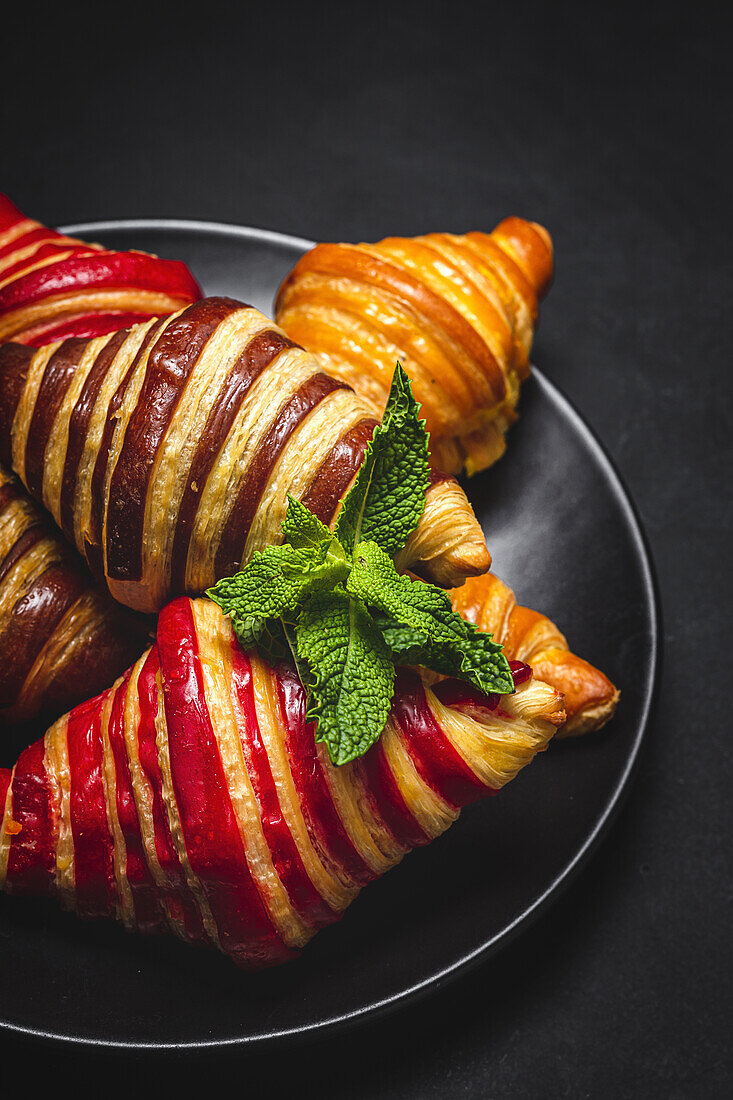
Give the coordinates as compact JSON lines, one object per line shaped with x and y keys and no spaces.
{"x":590,"y":697}
{"x":60,"y":637}
{"x":166,"y":452}
{"x":192,"y":797}
{"x":459,"y":312}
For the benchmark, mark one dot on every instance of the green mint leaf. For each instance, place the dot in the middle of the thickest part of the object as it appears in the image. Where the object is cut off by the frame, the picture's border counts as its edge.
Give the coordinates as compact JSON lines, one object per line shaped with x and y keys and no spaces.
{"x":350,"y":674}
{"x":277,"y":580}
{"x":439,"y":638}
{"x":304,"y":530}
{"x":387,"y":498}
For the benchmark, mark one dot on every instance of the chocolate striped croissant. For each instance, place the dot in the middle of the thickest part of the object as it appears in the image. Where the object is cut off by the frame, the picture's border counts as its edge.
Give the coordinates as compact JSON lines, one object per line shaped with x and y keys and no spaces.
{"x":61,"y":639}
{"x":53,"y":286}
{"x":165,"y":452}
{"x":526,"y":635}
{"x":458,"y":311}
{"x":192,"y":797}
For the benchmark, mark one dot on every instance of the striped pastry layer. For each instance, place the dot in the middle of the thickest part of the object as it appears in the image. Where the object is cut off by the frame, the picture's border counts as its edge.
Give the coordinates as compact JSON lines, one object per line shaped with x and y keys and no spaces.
{"x":192,"y":796}
{"x":165,"y":452}
{"x":53,"y":286}
{"x":60,"y":638}
{"x":459,"y":312}
{"x":526,"y":635}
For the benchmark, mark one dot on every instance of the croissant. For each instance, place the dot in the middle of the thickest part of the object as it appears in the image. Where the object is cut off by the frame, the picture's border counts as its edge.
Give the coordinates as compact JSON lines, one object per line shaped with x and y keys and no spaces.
{"x":459,"y":312}
{"x":53,"y":286}
{"x":165,"y":452}
{"x":191,"y":796}
{"x":526,"y":635}
{"x":60,"y":638}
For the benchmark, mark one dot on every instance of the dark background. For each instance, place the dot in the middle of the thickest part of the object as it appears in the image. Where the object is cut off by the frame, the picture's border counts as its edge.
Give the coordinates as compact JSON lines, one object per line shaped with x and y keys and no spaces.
{"x":611,"y":126}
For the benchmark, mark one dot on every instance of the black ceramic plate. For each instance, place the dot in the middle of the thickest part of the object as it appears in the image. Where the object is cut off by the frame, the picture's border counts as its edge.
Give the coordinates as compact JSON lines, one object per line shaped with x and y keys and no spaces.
{"x":563,"y":532}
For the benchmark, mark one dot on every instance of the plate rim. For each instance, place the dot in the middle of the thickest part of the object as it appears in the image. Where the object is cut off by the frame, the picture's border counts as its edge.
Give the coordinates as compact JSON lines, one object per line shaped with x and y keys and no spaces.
{"x":563,"y":879}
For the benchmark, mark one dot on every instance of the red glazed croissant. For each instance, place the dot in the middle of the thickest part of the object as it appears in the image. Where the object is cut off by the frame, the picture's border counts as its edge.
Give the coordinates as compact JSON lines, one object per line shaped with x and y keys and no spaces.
{"x":526,"y":635}
{"x":165,"y":452}
{"x":458,"y":311}
{"x":53,"y":286}
{"x":191,"y":796}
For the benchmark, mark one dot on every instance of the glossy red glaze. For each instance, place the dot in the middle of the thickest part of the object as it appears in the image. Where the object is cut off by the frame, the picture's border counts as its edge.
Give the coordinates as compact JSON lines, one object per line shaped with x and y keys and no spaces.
{"x":387,"y":799}
{"x":285,"y":855}
{"x":86,"y":326}
{"x":436,"y":760}
{"x":32,"y":857}
{"x":213,"y":841}
{"x":93,"y":864}
{"x":520,"y":672}
{"x":100,"y":270}
{"x":178,"y":900}
{"x":326,"y":830}
{"x":147,"y":912}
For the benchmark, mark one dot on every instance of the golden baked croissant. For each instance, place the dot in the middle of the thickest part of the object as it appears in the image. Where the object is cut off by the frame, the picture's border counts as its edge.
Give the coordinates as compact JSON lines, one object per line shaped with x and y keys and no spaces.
{"x":165,"y":452}
{"x":459,"y":312}
{"x":191,"y":796}
{"x":526,"y":635}
{"x":61,"y":640}
{"x":53,"y":286}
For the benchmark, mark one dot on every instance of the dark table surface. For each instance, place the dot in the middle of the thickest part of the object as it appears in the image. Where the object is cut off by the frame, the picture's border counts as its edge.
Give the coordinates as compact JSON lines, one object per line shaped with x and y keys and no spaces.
{"x":610,"y":125}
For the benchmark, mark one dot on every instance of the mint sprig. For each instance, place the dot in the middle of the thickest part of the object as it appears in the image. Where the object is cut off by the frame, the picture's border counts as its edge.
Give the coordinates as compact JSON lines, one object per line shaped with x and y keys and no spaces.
{"x":335,"y":603}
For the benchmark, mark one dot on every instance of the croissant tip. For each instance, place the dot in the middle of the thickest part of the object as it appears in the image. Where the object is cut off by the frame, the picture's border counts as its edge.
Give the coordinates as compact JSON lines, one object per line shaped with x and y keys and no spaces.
{"x":591,"y":719}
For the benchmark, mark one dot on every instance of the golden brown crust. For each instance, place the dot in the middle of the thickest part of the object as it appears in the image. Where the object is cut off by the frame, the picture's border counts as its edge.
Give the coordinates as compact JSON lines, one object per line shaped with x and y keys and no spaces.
{"x":458,"y":311}
{"x":590,"y":697}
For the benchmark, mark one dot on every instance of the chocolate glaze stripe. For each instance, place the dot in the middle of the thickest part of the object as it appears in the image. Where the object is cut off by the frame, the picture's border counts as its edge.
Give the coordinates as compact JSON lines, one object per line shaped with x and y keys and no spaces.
{"x":57,"y":376}
{"x":79,"y":427}
{"x":338,"y":469}
{"x":93,"y":547}
{"x":9,"y":491}
{"x":33,"y":619}
{"x":170,"y":364}
{"x":26,"y":541}
{"x":260,"y":353}
{"x":15,"y":361}
{"x":231,"y":547}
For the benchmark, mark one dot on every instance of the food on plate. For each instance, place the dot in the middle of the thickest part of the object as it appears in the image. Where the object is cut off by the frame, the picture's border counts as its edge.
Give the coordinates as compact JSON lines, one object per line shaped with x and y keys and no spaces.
{"x":61,"y":639}
{"x":529,"y":636}
{"x":192,"y":795}
{"x":165,"y":452}
{"x":53,"y":286}
{"x":459,"y":312}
